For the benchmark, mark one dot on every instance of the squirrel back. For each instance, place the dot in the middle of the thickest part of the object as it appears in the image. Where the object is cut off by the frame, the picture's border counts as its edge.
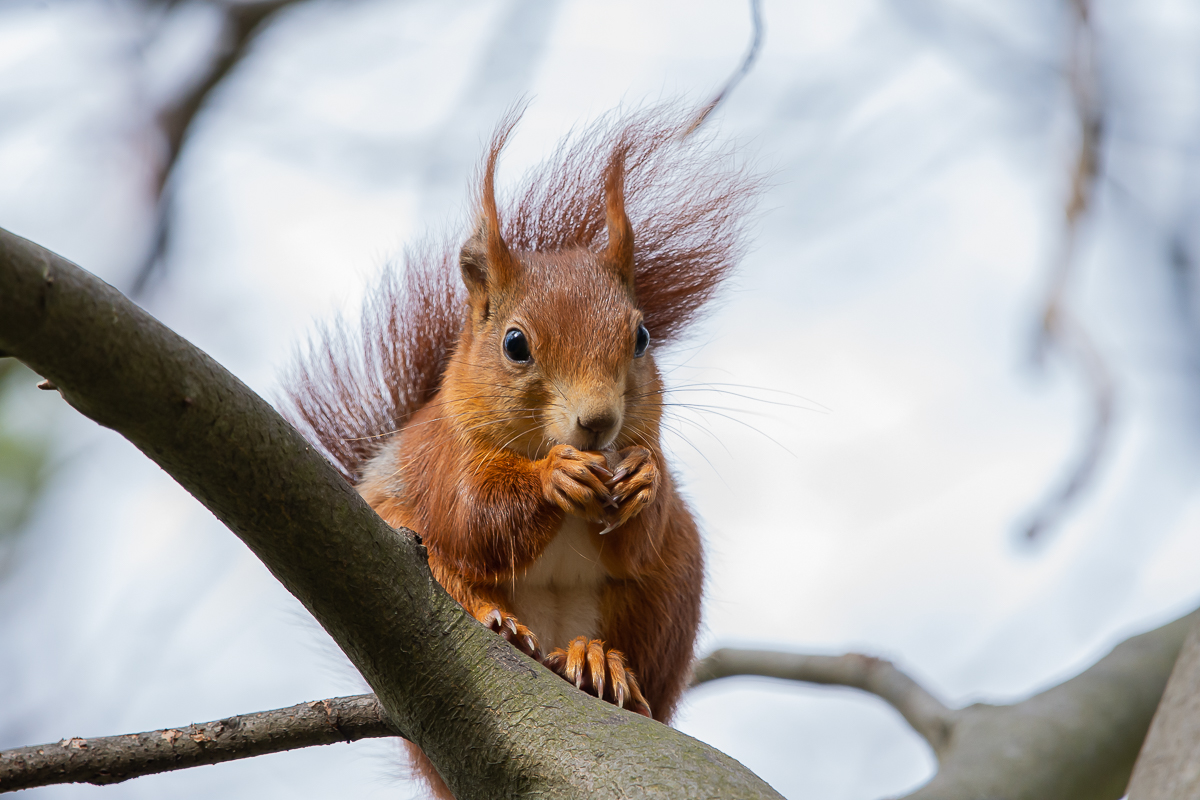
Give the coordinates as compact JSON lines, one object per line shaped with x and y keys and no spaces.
{"x":685,"y":197}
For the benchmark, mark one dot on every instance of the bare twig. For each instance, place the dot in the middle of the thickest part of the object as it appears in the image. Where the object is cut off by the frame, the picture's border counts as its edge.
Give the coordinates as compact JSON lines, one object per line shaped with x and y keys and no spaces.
{"x":925,"y":713}
{"x":1057,"y":327}
{"x":739,"y":73}
{"x":1074,"y":741}
{"x":242,"y":22}
{"x":113,"y":759}
{"x":1073,"y":338}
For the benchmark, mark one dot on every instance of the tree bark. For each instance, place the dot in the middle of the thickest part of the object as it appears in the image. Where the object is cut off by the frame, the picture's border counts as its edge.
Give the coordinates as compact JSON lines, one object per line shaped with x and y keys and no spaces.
{"x":113,"y":759}
{"x":493,"y":722}
{"x":1169,"y":764}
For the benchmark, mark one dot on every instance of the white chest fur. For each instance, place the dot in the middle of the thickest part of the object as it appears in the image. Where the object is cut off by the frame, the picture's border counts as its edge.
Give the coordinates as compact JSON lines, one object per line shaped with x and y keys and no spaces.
{"x":558,"y":597}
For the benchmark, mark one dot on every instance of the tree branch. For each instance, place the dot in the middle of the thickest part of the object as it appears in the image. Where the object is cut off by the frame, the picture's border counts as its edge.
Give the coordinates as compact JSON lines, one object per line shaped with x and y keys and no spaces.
{"x":113,"y":759}
{"x":756,"y":38}
{"x":1058,"y":327}
{"x":493,"y":722}
{"x":924,"y":712}
{"x":1074,"y":741}
{"x":1167,"y":767}
{"x":242,"y":23}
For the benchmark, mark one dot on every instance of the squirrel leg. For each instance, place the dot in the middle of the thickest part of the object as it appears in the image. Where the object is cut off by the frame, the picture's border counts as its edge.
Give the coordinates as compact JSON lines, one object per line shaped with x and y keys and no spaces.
{"x":599,"y":672}
{"x":485,"y":605}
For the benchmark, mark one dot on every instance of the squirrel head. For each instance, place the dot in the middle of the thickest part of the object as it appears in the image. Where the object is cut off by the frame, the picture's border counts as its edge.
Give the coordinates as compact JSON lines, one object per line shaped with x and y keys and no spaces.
{"x":421,"y":350}
{"x":554,"y":349}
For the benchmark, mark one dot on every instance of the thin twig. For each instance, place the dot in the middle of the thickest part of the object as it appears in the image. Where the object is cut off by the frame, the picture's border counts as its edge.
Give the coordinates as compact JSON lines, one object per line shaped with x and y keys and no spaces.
{"x":242,"y":22}
{"x":925,"y":713}
{"x":112,"y":759}
{"x":1058,"y":328}
{"x":1073,"y":338}
{"x":741,"y":72}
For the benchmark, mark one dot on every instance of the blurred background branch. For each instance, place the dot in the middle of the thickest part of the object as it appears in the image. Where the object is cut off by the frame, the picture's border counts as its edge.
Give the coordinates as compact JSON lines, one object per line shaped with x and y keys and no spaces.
{"x":1075,"y":741}
{"x":1059,"y":329}
{"x":926,"y":714}
{"x":1167,"y":766}
{"x":756,"y":39}
{"x":112,"y":759}
{"x":241,"y":21}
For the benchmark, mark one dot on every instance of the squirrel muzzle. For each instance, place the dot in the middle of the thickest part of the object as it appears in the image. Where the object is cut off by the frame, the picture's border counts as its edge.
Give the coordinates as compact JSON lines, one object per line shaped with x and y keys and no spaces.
{"x":590,"y":420}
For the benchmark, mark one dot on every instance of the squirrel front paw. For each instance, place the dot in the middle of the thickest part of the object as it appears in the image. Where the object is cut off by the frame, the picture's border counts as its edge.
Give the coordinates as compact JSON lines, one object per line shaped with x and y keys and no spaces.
{"x":634,"y":484}
{"x":602,"y":674}
{"x":507,"y":626}
{"x":574,"y":481}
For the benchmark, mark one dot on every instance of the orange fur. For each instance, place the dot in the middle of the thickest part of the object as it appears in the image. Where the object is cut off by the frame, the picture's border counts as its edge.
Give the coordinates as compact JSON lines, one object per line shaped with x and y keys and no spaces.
{"x":539,"y":486}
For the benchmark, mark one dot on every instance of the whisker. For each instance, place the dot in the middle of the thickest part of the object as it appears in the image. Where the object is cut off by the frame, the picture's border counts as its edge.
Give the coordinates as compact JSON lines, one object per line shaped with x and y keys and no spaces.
{"x":501,"y":447}
{"x":686,"y":440}
{"x":467,"y":413}
{"x":514,"y":418}
{"x":706,"y":407}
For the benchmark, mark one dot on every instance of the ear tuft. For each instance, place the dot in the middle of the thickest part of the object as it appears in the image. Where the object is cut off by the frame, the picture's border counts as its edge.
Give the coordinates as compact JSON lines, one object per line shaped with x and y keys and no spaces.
{"x":486,"y":262}
{"x":620,"y":232}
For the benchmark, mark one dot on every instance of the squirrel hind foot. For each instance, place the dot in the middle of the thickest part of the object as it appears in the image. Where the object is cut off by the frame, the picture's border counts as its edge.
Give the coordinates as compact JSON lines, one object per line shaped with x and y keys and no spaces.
{"x":599,"y":672}
{"x":507,"y":626}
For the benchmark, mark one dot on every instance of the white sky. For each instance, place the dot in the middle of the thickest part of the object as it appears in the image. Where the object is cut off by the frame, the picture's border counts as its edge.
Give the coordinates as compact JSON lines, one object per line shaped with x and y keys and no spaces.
{"x":889,"y":301}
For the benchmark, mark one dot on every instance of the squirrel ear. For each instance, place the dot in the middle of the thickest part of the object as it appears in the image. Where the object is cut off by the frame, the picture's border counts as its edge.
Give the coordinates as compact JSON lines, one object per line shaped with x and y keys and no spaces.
{"x":620,"y":232}
{"x":486,"y":262}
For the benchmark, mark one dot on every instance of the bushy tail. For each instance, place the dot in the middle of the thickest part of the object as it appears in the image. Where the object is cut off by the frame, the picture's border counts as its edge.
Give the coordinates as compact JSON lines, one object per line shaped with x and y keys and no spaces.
{"x":355,"y":385}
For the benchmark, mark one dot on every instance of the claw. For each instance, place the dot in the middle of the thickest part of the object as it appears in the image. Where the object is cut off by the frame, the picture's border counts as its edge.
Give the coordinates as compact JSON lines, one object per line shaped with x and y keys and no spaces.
{"x":602,"y":471}
{"x":531,"y":647}
{"x":574,"y":669}
{"x":493,"y":619}
{"x":616,"y":668}
{"x":633,"y":485}
{"x":595,"y":659}
{"x":508,"y":628}
{"x":577,"y":482}
{"x":592,"y":669}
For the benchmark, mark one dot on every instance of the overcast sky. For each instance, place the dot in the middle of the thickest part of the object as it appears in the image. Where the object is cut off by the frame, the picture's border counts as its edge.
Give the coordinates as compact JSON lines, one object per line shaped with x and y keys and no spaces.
{"x":877,"y":431}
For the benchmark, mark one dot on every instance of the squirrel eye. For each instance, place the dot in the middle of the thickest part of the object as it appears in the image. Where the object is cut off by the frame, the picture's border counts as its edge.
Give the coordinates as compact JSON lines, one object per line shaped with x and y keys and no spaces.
{"x":643,"y":341}
{"x":516,"y":347}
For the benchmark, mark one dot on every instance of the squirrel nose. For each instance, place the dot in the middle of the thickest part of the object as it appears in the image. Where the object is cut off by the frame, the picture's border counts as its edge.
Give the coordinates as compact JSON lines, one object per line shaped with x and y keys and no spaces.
{"x":598,"y":422}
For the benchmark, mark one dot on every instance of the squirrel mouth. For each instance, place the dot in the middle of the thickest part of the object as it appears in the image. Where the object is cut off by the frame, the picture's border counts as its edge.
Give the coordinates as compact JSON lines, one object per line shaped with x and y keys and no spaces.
{"x":602,"y":445}
{"x":601,"y":441}
{"x":587,"y":440}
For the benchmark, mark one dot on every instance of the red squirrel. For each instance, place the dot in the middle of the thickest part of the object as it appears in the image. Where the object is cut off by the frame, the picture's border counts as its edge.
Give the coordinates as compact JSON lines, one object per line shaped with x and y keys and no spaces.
{"x":516,"y":427}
